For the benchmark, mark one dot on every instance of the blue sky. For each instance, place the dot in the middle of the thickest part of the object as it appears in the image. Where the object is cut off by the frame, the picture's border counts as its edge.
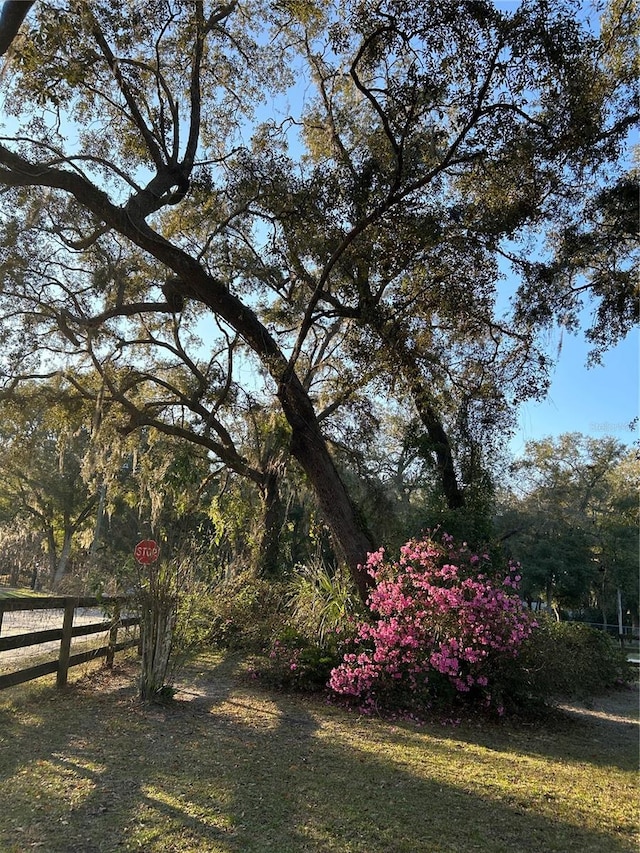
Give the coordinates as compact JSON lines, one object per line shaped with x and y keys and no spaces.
{"x":596,"y":401}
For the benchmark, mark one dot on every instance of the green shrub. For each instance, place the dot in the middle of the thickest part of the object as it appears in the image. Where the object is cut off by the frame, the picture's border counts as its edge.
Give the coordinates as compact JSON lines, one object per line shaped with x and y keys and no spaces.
{"x":563,"y":660}
{"x":245,"y":612}
{"x":192,"y":630}
{"x":298,"y":663}
{"x":320,"y":604}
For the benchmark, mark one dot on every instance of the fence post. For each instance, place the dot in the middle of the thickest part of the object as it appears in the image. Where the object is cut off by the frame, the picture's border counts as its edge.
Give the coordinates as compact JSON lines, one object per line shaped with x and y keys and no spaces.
{"x":65,"y":643}
{"x":113,"y":636}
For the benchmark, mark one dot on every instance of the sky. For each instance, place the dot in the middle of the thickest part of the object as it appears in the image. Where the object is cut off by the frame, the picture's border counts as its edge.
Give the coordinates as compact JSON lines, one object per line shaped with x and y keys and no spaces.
{"x":596,"y":401}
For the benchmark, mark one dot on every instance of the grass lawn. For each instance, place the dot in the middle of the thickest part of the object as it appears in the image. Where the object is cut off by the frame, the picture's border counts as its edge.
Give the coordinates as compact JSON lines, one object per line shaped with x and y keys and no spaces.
{"x":230,"y":768}
{"x":15,"y":592}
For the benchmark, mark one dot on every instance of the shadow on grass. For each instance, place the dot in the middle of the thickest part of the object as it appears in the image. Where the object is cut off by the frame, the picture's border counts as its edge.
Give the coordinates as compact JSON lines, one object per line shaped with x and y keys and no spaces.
{"x":232,"y":770}
{"x":577,"y":735}
{"x":561,"y":736}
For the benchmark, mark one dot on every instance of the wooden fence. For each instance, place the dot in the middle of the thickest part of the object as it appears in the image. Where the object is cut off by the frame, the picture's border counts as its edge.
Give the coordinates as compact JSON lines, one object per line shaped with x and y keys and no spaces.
{"x":65,"y":660}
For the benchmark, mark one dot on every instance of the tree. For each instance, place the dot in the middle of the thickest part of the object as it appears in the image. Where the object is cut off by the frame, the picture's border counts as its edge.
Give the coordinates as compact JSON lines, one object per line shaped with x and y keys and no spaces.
{"x":44,"y":440}
{"x":617,"y":521}
{"x":596,"y":253}
{"x":149,"y":190}
{"x":573,"y":522}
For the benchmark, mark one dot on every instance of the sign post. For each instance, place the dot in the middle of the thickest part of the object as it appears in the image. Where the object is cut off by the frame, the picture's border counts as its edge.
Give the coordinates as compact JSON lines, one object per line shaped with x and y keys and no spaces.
{"x":147,"y":551}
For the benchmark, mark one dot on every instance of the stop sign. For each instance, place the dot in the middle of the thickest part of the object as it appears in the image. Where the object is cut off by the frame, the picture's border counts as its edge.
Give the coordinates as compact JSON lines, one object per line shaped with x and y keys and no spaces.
{"x":146,"y":551}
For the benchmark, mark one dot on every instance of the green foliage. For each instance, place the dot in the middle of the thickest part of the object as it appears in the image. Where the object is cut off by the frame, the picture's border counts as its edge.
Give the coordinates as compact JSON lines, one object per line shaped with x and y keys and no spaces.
{"x":245,"y":611}
{"x":192,"y":627}
{"x":322,"y":601}
{"x":321,"y":608}
{"x":44,"y":436}
{"x":563,"y":660}
{"x":192,"y":630}
{"x":572,"y":521}
{"x":298,"y":663}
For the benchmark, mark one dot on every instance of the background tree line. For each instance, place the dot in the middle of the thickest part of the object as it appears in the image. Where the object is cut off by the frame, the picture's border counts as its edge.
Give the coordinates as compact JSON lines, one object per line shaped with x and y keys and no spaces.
{"x":74,"y":505}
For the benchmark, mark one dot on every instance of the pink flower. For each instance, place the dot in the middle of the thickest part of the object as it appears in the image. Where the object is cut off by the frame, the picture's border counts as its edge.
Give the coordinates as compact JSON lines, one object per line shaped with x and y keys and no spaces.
{"x":431,"y":612}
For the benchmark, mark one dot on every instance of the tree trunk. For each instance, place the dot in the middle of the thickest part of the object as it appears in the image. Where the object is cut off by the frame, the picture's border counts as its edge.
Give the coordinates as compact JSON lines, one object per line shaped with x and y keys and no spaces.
{"x":441,"y":446}
{"x":63,"y":559}
{"x":273,"y":521}
{"x":399,"y":350}
{"x":309,"y":448}
{"x":551,"y":608}
{"x":52,"y":554}
{"x":13,"y":14}
{"x":97,"y":530}
{"x":603,"y":602}
{"x":620,"y":619}
{"x":157,"y":619}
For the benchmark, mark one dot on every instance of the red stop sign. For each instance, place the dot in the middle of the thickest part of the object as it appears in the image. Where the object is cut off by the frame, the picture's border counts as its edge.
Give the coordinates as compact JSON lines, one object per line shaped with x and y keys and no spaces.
{"x":146,"y":551}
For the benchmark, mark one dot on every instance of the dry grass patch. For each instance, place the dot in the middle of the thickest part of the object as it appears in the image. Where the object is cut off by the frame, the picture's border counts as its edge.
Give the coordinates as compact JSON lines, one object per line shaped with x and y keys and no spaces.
{"x":228,"y":768}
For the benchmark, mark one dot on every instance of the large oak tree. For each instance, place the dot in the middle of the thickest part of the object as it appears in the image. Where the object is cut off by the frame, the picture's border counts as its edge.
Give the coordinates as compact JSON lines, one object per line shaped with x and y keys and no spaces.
{"x":339,"y":186}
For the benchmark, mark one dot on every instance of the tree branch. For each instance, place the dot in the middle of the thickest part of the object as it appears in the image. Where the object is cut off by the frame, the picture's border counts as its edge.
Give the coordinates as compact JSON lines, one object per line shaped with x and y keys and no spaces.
{"x":147,"y":135}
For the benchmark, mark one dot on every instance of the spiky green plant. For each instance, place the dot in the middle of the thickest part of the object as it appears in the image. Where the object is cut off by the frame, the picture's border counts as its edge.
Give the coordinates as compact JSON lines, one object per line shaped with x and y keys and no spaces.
{"x":322,"y":600}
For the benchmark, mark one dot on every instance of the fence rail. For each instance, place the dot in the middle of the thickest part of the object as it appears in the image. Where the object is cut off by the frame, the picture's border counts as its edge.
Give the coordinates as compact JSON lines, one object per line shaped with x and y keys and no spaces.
{"x":65,"y":634}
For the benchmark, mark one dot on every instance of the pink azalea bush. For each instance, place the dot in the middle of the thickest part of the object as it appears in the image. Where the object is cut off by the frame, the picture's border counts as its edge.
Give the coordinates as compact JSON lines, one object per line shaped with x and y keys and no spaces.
{"x":442,"y":619}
